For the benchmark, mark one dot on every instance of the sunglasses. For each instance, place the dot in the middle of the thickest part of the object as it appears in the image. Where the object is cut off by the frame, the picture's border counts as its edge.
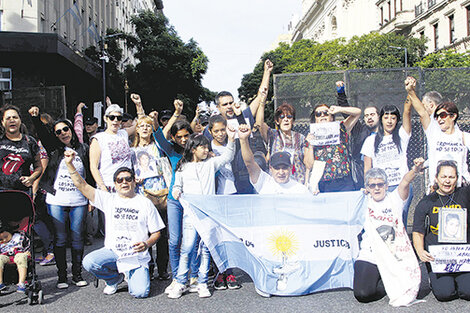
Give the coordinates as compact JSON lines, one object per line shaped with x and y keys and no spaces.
{"x":374,"y":186}
{"x":128,"y":179}
{"x":321,"y":113}
{"x":443,"y":115}
{"x":59,"y":131}
{"x":117,"y":117}
{"x":283,"y":116}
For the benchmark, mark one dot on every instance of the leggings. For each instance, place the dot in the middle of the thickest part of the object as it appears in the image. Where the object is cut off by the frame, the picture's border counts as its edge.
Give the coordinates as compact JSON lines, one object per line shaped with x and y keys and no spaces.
{"x":447,"y":287}
{"x":368,"y":285}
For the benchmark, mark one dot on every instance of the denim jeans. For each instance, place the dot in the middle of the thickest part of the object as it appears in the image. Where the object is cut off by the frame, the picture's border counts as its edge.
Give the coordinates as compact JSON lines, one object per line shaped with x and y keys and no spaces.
{"x":60,"y":216}
{"x":175,"y":224}
{"x":102,"y":264}
{"x":189,"y":248}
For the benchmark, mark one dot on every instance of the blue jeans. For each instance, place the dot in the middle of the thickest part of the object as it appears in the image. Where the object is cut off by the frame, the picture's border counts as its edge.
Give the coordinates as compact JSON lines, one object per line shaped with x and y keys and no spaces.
{"x":60,"y":217}
{"x":102,"y":264}
{"x":189,"y":248}
{"x":175,"y":225}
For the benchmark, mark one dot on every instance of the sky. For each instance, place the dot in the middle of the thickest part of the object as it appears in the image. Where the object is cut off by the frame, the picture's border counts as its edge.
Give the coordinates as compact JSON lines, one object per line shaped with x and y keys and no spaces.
{"x":232,"y":33}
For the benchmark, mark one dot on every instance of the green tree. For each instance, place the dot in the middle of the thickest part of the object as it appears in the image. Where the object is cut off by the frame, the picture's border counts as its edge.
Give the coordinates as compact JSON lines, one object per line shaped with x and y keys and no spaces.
{"x":168,"y":68}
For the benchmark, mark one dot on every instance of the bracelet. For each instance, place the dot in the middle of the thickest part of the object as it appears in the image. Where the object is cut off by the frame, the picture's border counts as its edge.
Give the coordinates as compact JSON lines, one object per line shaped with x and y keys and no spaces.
{"x":73,"y":172}
{"x":176,"y":115}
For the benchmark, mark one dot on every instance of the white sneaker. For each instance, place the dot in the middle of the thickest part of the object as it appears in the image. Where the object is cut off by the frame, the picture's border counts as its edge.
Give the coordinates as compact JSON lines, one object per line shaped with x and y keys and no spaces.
{"x":203,"y":291}
{"x":193,"y":284}
{"x":262,"y":293}
{"x":111,"y":289}
{"x":170,"y":286}
{"x":177,"y":291}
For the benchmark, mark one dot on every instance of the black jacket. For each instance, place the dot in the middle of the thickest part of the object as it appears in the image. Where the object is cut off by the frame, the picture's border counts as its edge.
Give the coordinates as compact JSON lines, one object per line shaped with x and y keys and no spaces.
{"x":55,"y":151}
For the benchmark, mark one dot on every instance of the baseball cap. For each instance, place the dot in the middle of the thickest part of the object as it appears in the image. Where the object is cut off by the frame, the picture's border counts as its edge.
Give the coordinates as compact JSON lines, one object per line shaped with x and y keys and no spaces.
{"x":280,"y":158}
{"x":165,"y":115}
{"x":126,"y":117}
{"x":91,"y":120}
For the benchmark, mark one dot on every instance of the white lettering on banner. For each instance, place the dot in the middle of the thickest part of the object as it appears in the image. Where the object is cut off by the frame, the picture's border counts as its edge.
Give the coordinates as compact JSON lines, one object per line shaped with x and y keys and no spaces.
{"x":325,"y":134}
{"x":450,"y":258}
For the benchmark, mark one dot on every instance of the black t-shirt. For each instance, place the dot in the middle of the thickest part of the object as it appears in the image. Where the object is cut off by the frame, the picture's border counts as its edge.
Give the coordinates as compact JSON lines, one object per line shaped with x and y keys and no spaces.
{"x":429,"y":207}
{"x":16,"y":158}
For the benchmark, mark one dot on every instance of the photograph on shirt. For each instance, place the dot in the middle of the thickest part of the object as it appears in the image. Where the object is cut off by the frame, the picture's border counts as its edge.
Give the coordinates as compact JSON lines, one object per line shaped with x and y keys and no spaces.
{"x":453,"y":226}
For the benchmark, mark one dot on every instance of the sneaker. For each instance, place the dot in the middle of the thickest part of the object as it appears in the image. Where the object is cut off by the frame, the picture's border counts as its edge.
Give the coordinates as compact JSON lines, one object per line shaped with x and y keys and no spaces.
{"x":78,"y":281}
{"x":2,"y":286}
{"x":193,"y":284}
{"x":262,"y":293}
{"x":203,"y":291}
{"x":111,"y":289}
{"x":48,"y":260}
{"x":21,"y":288}
{"x":62,"y":283}
{"x":177,"y":291}
{"x":163,"y":276}
{"x":232,"y":282}
{"x":220,"y":283}
{"x":170,"y":287}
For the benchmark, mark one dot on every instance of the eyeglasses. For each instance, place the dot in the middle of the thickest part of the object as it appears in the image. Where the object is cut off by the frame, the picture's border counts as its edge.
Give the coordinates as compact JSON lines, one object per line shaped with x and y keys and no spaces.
{"x":226,"y":103}
{"x":128,"y":179}
{"x":374,"y":186}
{"x":112,"y":117}
{"x":443,"y":115}
{"x":321,"y":113}
{"x":59,"y":131}
{"x":283,"y":116}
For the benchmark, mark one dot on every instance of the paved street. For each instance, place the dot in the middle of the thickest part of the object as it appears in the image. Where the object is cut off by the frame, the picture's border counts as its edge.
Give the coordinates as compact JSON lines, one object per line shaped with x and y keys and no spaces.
{"x":89,"y":299}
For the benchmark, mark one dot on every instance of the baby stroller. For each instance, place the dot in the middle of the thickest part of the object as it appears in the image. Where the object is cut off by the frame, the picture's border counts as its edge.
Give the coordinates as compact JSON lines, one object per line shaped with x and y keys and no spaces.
{"x":17,"y":210}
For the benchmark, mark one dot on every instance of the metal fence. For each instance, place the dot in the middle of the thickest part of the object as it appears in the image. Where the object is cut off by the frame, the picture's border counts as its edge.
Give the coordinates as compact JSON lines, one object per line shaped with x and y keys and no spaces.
{"x":376,"y":87}
{"x":49,"y":99}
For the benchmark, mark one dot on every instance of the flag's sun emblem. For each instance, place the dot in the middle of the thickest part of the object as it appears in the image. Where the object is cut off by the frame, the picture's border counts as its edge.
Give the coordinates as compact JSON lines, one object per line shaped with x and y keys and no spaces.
{"x":283,"y":243}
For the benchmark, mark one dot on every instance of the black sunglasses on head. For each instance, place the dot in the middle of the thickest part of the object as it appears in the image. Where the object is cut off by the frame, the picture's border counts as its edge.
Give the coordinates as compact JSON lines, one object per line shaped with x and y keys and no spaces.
{"x":112,"y":117}
{"x":59,"y":131}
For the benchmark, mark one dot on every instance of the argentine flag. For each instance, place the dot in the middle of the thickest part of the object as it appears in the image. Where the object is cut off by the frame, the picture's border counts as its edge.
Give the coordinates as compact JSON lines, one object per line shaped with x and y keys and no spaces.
{"x":288,"y":244}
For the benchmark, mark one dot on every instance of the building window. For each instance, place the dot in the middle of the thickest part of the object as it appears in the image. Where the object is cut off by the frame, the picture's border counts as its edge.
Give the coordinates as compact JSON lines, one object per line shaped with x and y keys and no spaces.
{"x":401,"y":5}
{"x":421,"y":34}
{"x":5,"y":78}
{"x":389,"y":11}
{"x":436,"y":36}
{"x":394,"y":7}
{"x":1,"y":13}
{"x":468,"y":20}
{"x":451,"y":28}
{"x":382,"y":16}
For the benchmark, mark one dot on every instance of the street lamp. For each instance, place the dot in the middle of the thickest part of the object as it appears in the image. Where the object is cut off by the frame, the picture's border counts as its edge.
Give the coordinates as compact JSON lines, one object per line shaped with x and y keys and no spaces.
{"x":406,"y":53}
{"x":126,"y":92}
{"x":105,"y":59}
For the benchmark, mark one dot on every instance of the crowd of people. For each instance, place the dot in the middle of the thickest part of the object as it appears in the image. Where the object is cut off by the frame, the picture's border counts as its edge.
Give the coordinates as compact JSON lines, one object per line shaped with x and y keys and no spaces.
{"x":136,"y":170}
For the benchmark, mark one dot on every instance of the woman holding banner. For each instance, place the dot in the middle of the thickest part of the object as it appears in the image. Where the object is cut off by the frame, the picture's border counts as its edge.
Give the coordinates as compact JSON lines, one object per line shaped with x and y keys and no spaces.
{"x":440,"y":225}
{"x":327,"y":155}
{"x":387,"y":264}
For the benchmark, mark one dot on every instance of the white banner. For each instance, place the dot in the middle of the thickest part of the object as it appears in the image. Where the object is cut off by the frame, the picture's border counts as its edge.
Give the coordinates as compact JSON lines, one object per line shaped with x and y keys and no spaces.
{"x":325,"y":134}
{"x":450,"y":258}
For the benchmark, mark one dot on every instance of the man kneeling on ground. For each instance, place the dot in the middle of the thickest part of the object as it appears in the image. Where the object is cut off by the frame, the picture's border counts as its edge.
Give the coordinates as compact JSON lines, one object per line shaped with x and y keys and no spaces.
{"x":130,"y":218}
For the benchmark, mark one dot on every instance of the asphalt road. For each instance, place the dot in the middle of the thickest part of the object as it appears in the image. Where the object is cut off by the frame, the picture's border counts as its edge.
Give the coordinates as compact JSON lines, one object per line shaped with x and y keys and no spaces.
{"x":91,"y":299}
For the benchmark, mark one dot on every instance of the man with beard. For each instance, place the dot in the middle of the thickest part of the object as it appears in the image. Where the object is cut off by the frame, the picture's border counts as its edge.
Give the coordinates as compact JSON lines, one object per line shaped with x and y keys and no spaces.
{"x":359,"y":133}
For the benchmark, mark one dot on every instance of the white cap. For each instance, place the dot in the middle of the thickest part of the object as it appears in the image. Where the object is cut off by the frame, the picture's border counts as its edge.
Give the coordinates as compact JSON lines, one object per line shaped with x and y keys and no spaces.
{"x":113,"y":108}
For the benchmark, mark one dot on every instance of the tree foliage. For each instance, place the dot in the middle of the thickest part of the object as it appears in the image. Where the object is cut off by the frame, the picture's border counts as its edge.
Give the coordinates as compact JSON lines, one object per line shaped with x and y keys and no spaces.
{"x":168,"y":68}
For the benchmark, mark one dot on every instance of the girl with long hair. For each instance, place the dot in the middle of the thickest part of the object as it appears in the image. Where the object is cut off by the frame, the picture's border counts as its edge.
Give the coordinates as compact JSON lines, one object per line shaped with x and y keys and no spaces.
{"x":195,"y":174}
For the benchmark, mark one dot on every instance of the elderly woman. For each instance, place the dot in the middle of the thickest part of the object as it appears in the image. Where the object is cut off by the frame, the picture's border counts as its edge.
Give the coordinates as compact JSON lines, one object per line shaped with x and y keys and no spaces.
{"x":65,"y":203}
{"x":445,"y":140}
{"x":153,"y":182}
{"x":330,"y":165}
{"x":386,"y":262}
{"x":448,"y":200}
{"x":283,"y":138}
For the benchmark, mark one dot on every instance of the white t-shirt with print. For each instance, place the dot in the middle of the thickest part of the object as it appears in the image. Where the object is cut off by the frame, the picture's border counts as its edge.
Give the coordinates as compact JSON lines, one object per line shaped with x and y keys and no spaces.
{"x":388,"y":158}
{"x":267,"y":185}
{"x":66,"y":193}
{"x":128,"y":221}
{"x":225,"y":177}
{"x":391,"y":208}
{"x":442,"y":146}
{"x":115,"y":153}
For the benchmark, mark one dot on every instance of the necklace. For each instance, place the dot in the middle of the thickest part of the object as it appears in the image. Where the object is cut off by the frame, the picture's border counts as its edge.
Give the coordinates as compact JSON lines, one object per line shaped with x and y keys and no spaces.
{"x":449,"y":201}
